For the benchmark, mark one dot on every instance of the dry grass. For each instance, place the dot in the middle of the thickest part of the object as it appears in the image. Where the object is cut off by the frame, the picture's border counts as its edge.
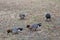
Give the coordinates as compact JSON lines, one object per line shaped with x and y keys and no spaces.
{"x":35,"y":11}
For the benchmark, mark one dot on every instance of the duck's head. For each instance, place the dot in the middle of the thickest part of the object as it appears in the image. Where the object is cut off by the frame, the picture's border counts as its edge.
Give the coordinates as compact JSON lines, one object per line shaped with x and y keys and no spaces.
{"x":28,"y":26}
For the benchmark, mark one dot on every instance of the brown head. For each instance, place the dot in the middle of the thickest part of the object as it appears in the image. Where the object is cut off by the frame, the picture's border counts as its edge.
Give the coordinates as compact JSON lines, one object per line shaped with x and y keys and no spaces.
{"x":28,"y":26}
{"x":9,"y":31}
